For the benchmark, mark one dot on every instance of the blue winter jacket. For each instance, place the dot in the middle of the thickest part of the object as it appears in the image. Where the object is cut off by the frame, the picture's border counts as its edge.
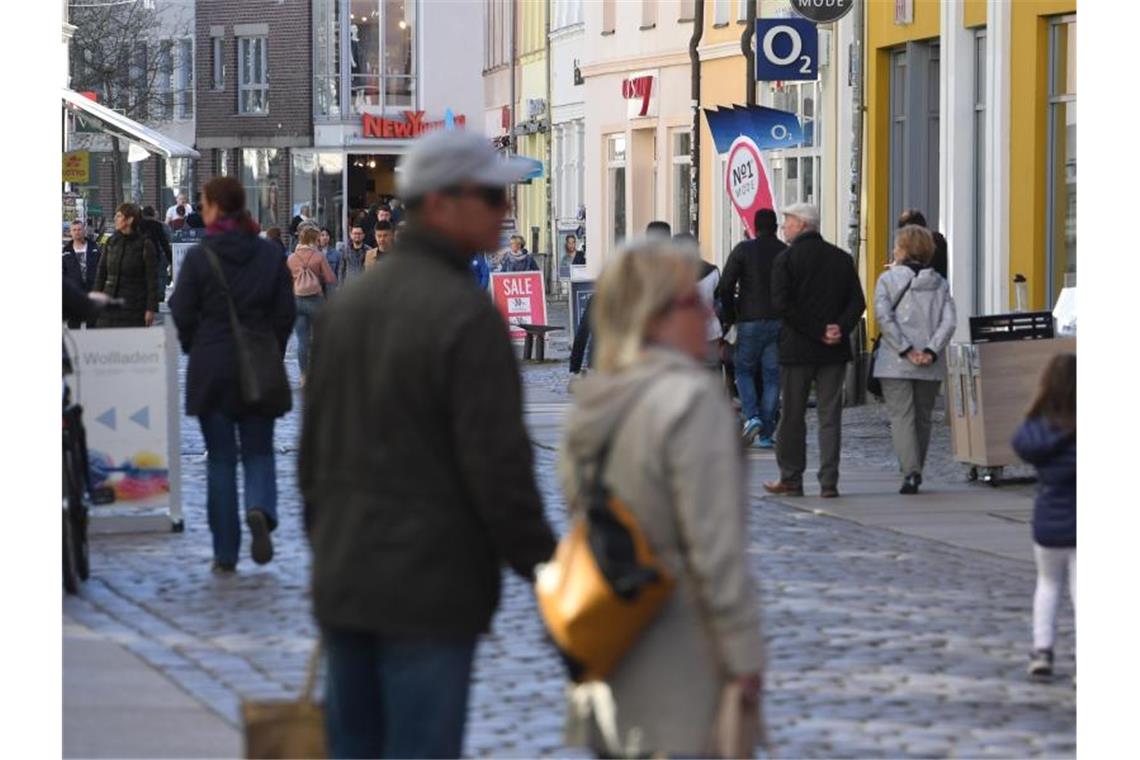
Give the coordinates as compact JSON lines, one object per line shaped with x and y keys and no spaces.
{"x":1054,"y":453}
{"x":480,"y":270}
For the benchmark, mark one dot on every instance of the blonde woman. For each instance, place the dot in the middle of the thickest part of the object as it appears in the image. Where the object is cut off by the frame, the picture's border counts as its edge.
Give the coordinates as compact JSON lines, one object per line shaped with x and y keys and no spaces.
{"x":312,"y":278}
{"x":917,"y":317}
{"x":675,"y":460}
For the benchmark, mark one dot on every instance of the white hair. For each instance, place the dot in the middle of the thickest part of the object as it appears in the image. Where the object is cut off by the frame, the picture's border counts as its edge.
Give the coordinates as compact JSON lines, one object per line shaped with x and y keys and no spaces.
{"x":806,"y":213}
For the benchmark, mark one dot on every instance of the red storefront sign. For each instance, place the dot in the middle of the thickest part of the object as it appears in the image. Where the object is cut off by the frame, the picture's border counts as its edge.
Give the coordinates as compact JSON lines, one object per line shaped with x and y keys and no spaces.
{"x":520,"y":298}
{"x":638,"y":87}
{"x":412,"y":125}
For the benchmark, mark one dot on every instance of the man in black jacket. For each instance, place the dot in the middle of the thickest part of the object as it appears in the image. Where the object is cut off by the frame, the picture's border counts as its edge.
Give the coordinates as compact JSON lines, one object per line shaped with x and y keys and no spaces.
{"x":816,"y":290}
{"x":150,"y":227}
{"x":415,"y":465}
{"x":757,"y":326}
{"x":80,"y":267}
{"x":941,"y":261}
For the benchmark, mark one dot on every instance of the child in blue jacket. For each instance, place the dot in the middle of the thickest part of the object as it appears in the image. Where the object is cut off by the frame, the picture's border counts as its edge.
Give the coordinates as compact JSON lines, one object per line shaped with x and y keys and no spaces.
{"x":1048,"y":441}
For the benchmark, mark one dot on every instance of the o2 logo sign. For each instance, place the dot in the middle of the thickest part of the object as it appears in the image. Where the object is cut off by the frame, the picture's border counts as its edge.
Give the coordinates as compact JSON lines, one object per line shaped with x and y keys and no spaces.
{"x":787,"y":50}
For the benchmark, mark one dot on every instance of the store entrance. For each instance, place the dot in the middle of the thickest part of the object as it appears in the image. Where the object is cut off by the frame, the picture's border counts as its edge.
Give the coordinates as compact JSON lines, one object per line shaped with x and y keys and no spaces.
{"x":371,"y":180}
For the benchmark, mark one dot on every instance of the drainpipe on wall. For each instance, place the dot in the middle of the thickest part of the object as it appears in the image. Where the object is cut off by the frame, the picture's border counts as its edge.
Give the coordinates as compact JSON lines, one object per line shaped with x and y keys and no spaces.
{"x":856,"y":74}
{"x":749,"y":55}
{"x":695,"y":139}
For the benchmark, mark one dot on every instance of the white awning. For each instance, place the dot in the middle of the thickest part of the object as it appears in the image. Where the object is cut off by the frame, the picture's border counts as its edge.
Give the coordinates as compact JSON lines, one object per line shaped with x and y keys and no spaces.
{"x":136,"y":134}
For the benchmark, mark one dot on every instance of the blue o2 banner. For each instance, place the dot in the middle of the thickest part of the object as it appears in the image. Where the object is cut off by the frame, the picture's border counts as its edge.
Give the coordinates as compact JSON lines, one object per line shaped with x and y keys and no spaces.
{"x":768,"y":128}
{"x":787,"y":50}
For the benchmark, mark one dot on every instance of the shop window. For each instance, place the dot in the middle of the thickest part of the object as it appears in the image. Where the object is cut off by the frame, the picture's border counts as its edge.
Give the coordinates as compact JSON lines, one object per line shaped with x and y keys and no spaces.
{"x":221,"y":162}
{"x":381,"y":55}
{"x":796,"y":171}
{"x":980,"y":63}
{"x":615,"y":168}
{"x":682,"y":192}
{"x":1061,"y":159}
{"x":253,"y":75}
{"x":263,"y":175}
{"x":316,"y":183}
{"x":326,"y":57}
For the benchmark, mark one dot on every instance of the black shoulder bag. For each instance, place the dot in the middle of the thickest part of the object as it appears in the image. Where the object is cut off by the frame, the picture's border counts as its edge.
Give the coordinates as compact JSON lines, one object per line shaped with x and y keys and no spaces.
{"x":261,"y":367}
{"x":874,"y":387}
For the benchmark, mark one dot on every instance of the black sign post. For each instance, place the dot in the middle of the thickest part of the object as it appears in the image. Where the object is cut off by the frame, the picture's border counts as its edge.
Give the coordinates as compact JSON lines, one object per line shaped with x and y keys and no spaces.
{"x":823,"y":11}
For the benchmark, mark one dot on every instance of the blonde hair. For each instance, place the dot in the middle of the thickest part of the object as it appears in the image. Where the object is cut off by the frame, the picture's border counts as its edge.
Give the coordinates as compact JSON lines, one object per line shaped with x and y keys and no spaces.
{"x":916,"y":243}
{"x":634,"y":288}
{"x":310,"y":236}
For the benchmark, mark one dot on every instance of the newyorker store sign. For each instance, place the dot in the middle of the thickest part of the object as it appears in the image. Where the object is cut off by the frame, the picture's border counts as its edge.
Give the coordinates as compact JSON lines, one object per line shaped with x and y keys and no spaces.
{"x":411,"y":126}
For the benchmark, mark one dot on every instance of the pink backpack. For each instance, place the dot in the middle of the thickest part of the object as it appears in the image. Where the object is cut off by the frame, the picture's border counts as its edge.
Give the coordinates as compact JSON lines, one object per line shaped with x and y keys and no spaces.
{"x":305,"y":280}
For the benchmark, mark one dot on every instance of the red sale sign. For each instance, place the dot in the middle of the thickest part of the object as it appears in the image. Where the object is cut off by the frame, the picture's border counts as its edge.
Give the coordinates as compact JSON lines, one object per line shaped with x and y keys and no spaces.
{"x":520,"y":298}
{"x":748,"y":181}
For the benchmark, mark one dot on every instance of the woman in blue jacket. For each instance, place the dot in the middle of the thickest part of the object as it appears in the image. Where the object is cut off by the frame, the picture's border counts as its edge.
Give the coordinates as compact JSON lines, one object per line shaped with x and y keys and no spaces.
{"x":1048,"y":441}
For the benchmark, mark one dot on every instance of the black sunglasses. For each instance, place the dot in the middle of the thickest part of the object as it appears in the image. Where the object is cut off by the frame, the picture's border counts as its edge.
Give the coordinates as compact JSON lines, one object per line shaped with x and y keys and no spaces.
{"x":495,"y":197}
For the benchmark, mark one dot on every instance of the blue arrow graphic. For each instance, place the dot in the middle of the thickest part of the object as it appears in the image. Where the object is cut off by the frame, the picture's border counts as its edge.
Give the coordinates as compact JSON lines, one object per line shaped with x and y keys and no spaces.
{"x":142,"y":417}
{"x":107,"y":418}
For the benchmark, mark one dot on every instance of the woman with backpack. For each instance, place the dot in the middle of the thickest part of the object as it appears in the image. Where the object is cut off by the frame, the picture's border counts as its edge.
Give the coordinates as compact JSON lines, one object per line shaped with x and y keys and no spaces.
{"x":656,"y":429}
{"x":1048,"y":441}
{"x":917,"y":318}
{"x":311,"y":276}
{"x":232,"y":269}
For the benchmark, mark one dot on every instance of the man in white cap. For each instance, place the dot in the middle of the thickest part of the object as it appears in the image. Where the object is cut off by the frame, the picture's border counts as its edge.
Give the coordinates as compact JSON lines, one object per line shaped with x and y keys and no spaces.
{"x":816,"y":291}
{"x":415,"y":465}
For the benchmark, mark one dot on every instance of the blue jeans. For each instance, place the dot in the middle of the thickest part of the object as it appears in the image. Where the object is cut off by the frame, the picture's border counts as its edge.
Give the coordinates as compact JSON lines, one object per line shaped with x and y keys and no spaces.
{"x":221,"y":476}
{"x":307,"y":307}
{"x":396,"y":697}
{"x":758,"y":348}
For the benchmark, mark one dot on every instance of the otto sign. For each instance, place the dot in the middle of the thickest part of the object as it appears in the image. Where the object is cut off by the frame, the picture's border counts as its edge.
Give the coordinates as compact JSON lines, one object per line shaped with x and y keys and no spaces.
{"x":823,"y":11}
{"x":748,"y":181}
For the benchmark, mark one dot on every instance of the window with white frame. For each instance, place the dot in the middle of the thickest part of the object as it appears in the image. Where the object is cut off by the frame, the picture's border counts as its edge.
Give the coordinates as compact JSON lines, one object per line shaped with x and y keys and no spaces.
{"x":253,"y":75}
{"x":615,"y":184}
{"x":682,"y":194}
{"x":729,"y":226}
{"x":648,"y":14}
{"x":688,"y":10}
{"x":742,"y":10}
{"x":720,"y":12}
{"x":608,"y":14}
{"x":164,"y":81}
{"x":184,"y":79}
{"x":218,"y":62}
{"x":1061,"y":160}
{"x":796,"y":171}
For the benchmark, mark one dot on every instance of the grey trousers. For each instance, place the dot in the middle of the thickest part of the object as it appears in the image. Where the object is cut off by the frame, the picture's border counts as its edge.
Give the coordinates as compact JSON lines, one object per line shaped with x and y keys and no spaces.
{"x":909,"y":405}
{"x":791,"y":437}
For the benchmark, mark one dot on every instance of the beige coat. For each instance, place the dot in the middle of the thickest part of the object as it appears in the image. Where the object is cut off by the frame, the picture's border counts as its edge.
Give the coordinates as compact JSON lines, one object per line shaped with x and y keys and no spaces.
{"x":676,"y":461}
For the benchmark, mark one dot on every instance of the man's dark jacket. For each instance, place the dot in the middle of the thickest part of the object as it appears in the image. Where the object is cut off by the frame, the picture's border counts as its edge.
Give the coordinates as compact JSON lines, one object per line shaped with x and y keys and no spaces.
{"x":814,"y":284}
{"x":262,"y":290}
{"x":154,"y":229}
{"x":750,"y":266}
{"x":941,"y":261}
{"x":71,"y":269}
{"x":1053,"y":452}
{"x":415,"y":467}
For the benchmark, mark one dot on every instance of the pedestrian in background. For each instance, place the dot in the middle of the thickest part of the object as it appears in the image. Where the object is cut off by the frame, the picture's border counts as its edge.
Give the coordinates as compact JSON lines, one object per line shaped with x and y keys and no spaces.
{"x":259,"y":284}
{"x":128,"y":269}
{"x":817,"y":293}
{"x":179,"y":220}
{"x":940,"y":261}
{"x":917,"y":318}
{"x":312,"y":277}
{"x":1048,"y":441}
{"x":415,"y":467}
{"x":273,"y":235}
{"x":480,"y":271}
{"x":383,"y":237}
{"x":157,"y":232}
{"x":746,"y":294}
{"x":675,"y":462}
{"x":708,"y":278}
{"x":659,"y":230}
{"x":182,"y":201}
{"x":330,"y":251}
{"x":80,"y":262}
{"x":353,"y":257}
{"x":518,"y":259}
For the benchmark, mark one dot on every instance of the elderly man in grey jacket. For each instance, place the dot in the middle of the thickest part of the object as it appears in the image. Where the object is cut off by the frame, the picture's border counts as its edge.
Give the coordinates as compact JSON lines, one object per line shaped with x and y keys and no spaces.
{"x":917,"y":317}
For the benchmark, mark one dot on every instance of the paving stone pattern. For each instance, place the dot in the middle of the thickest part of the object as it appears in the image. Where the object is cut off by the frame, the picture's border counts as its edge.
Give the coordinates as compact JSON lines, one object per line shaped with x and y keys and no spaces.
{"x":880,"y":644}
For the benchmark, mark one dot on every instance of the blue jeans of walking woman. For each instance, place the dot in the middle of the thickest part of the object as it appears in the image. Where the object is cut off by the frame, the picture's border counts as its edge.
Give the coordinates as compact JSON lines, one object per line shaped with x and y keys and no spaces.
{"x":758,"y":349}
{"x":255,"y":448}
{"x":307,"y":307}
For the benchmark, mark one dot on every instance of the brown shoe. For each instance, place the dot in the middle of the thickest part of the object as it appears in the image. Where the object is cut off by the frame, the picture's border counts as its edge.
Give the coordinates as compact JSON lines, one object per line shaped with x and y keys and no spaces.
{"x":780,"y":488}
{"x":829,"y":493}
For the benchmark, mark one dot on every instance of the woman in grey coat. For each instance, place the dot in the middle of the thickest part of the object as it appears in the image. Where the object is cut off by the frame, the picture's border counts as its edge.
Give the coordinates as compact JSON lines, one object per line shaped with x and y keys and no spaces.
{"x":916,"y":317}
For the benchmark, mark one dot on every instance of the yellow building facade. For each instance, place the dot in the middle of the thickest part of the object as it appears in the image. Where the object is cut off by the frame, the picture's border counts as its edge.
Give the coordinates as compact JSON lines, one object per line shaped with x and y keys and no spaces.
{"x":532,"y":121}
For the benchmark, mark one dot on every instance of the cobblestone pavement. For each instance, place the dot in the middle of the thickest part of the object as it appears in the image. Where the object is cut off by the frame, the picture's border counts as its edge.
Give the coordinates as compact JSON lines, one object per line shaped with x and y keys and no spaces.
{"x":880,"y":644}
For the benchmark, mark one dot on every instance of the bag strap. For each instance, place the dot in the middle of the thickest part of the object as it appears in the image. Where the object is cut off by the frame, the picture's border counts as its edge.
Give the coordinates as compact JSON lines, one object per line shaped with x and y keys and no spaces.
{"x":903,"y":293}
{"x":235,"y":323}
{"x":602,"y":459}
